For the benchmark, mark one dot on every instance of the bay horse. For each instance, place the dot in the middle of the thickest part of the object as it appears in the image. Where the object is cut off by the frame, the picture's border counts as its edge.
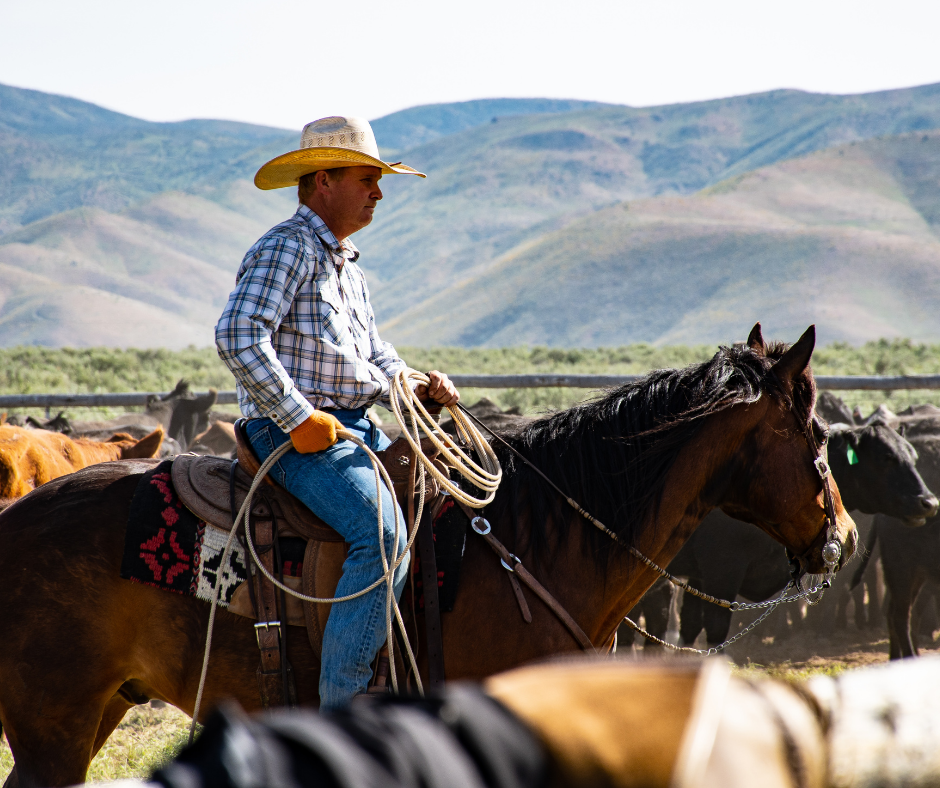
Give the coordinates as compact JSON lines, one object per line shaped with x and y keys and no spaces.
{"x":81,"y":645}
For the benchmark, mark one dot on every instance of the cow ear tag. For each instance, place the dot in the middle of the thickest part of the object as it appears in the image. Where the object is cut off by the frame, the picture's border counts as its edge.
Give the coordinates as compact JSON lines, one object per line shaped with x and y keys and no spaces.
{"x":850,"y":453}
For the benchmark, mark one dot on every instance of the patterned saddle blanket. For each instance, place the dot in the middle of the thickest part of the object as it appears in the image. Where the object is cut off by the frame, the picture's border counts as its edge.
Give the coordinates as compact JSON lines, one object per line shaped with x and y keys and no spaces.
{"x":169,"y":547}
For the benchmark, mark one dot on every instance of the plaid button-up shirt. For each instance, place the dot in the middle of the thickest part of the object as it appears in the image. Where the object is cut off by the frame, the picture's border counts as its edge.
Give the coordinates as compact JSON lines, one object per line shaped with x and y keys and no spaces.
{"x":298,"y":331}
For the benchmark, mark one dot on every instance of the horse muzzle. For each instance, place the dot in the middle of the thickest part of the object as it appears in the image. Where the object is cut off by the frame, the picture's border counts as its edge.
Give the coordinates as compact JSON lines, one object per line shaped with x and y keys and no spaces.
{"x":826,"y":552}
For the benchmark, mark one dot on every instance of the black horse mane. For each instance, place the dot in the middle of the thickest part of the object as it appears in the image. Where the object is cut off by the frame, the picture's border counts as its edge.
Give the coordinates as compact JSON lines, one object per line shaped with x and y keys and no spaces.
{"x":612,"y":455}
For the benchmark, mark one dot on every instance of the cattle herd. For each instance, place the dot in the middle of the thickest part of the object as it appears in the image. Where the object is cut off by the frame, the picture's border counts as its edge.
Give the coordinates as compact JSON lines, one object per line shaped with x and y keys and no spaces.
{"x":885,"y":465}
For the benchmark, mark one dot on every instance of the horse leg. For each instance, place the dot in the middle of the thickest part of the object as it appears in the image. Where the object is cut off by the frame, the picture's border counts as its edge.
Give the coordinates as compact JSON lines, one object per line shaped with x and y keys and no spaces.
{"x":724,"y":585}
{"x":114,"y":712}
{"x":655,"y":605}
{"x":626,"y":636}
{"x":690,"y":619}
{"x":53,"y":742}
{"x":111,"y":717}
{"x":861,"y":613}
{"x":717,"y":624}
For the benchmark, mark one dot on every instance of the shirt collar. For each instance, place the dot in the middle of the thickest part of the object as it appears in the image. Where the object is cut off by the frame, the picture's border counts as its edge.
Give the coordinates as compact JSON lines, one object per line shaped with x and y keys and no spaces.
{"x":345,"y":249}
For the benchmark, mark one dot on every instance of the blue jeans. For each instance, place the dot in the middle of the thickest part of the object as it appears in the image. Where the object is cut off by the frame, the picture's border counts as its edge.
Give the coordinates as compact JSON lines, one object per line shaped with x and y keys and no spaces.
{"x":338,"y":485}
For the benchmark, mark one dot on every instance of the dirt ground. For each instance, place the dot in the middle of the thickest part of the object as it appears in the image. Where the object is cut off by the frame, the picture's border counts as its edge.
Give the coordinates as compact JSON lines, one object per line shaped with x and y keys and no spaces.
{"x":805,"y":653}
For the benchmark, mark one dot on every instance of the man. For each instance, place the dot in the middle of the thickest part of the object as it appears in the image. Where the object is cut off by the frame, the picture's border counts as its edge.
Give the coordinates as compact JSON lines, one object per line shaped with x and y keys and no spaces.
{"x":299,"y":335}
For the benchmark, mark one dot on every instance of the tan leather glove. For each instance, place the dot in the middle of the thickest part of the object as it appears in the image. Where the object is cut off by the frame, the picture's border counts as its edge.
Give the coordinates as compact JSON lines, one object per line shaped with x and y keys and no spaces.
{"x":317,"y":433}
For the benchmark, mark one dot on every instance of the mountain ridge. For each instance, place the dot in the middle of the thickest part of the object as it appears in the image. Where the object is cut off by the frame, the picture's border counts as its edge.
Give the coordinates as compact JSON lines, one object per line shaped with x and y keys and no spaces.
{"x":161,"y":214}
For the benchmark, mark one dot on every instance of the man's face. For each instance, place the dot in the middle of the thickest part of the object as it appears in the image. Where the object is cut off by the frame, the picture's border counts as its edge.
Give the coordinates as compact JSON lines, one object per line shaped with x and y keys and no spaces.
{"x":350,"y":199}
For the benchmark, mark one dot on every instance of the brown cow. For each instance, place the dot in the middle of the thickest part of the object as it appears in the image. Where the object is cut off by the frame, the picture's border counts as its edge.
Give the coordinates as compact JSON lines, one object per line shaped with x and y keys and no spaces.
{"x":29,"y":458}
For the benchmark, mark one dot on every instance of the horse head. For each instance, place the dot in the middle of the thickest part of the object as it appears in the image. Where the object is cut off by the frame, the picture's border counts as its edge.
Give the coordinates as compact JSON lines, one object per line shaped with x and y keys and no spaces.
{"x":780,"y":471}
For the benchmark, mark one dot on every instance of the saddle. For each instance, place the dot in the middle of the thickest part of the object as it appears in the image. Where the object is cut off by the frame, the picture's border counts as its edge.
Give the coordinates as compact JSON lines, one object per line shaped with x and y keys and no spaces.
{"x":214,"y":489}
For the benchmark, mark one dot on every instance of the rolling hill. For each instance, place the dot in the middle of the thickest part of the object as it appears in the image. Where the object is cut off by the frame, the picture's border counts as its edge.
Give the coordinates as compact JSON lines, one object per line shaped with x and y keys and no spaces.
{"x":547,"y":222}
{"x":846,"y":238}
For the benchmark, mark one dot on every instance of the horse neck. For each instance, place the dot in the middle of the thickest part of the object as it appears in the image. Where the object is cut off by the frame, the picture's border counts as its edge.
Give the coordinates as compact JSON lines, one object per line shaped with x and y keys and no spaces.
{"x":702,"y":468}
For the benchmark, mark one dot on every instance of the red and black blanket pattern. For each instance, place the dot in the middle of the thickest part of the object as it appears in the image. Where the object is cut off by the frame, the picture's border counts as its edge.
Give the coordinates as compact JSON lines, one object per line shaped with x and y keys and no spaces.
{"x":168,"y":547}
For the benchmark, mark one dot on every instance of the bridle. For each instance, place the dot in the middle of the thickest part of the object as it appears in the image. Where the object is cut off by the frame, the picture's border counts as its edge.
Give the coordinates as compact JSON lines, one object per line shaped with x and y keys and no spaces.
{"x":831,"y":550}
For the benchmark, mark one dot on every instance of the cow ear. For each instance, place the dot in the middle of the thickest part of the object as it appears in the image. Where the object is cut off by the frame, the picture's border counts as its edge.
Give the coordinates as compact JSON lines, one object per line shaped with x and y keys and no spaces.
{"x":755,"y":340}
{"x":120,"y":437}
{"x":794,"y":362}
{"x":145,"y":447}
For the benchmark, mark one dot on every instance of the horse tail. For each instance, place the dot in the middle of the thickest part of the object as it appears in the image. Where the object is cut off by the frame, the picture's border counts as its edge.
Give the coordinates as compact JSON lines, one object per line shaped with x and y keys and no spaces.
{"x":869,"y":550}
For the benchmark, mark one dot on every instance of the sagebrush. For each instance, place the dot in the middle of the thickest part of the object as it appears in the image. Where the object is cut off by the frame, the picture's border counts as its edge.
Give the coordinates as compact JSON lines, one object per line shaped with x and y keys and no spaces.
{"x":34,"y":370}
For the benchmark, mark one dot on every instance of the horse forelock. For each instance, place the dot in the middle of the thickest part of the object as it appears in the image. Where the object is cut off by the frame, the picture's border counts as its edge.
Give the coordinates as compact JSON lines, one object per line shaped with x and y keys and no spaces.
{"x":613,"y":454}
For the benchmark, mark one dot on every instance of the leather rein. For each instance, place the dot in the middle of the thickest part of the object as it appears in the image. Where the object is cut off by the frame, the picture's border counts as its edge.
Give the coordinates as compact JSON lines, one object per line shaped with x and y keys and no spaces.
{"x":831,"y":552}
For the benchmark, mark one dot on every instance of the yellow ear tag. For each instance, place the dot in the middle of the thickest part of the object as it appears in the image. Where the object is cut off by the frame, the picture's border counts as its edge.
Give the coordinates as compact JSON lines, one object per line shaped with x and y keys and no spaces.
{"x":853,"y":457}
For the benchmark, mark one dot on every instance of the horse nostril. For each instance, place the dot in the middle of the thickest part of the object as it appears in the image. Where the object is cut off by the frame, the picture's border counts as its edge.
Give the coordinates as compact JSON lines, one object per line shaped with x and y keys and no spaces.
{"x":929,"y":502}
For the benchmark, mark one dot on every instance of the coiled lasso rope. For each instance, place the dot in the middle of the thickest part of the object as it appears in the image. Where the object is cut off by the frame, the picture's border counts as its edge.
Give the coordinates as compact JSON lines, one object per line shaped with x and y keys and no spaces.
{"x":418,"y":419}
{"x":412,"y":416}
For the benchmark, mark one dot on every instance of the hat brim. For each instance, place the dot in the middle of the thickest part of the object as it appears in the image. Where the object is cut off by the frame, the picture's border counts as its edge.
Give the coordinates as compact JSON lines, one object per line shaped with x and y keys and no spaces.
{"x":288,"y":169}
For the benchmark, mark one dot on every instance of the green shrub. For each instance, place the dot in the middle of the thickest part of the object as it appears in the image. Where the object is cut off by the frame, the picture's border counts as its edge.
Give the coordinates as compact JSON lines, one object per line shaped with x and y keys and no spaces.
{"x":35,"y":370}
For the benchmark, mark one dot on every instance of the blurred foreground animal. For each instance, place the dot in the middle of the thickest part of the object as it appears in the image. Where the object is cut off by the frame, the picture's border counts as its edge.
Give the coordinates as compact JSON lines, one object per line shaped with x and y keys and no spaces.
{"x":29,"y":458}
{"x":648,"y":459}
{"x":588,"y":724}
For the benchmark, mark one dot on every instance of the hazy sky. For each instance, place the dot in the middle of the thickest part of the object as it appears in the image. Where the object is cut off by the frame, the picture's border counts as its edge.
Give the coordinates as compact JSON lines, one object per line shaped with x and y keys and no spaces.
{"x":283,"y":63}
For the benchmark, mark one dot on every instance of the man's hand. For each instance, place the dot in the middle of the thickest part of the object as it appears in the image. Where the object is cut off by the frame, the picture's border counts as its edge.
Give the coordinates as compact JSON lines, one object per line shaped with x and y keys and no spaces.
{"x":440,"y":390}
{"x":315,"y":434}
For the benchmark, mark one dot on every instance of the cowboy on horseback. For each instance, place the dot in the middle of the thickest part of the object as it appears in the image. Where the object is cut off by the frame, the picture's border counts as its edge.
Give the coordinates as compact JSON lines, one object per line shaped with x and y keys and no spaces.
{"x":299,"y":335}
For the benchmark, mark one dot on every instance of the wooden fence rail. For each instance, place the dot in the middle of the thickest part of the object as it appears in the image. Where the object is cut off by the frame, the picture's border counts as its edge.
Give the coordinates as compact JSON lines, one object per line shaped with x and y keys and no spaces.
{"x":138,"y":399}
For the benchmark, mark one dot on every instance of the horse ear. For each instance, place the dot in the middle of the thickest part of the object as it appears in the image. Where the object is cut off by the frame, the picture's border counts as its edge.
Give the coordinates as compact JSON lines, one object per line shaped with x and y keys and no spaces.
{"x":755,"y":340}
{"x":794,"y":362}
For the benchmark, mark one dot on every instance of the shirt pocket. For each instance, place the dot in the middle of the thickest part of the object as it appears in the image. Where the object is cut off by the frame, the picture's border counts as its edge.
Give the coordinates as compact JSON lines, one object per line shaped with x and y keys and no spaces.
{"x":333,"y":318}
{"x":361,"y":332}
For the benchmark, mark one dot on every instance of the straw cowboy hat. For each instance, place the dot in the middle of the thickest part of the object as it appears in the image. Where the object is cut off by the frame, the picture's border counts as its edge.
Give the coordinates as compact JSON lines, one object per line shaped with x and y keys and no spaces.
{"x":324,"y":144}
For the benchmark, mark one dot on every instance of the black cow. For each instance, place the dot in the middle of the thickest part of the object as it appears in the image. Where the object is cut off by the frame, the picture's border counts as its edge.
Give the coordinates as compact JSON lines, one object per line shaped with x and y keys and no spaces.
{"x":910,"y":557}
{"x":833,"y":409}
{"x":874,"y":468}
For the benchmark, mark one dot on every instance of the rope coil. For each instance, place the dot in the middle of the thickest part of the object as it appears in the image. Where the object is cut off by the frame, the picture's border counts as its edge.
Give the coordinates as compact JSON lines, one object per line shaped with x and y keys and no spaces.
{"x":410,"y":412}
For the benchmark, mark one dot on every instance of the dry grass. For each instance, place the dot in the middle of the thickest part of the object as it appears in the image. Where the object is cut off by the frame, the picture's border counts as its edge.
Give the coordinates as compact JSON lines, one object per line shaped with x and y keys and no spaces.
{"x":146,"y":739}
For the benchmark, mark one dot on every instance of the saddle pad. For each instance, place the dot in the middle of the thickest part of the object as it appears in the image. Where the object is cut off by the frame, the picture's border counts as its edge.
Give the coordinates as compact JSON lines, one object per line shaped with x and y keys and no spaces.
{"x":450,"y":539}
{"x":168,"y":547}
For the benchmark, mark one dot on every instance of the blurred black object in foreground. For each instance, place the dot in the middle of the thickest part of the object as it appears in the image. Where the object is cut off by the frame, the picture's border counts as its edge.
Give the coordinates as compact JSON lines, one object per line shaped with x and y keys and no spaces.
{"x":464,"y":739}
